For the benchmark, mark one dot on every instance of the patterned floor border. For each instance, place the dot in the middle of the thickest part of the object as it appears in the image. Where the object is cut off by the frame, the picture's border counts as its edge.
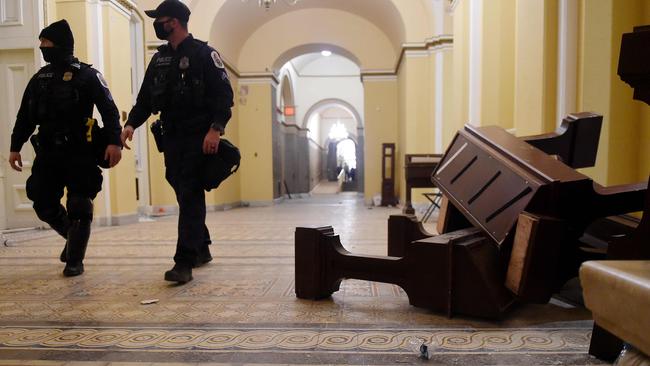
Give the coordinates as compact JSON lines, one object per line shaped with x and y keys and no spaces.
{"x":117,"y":339}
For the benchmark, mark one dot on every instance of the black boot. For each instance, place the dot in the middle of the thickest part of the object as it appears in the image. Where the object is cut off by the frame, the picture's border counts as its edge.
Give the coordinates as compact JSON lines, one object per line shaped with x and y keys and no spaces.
{"x":76,"y":245}
{"x":204,"y":257}
{"x":180,"y":273}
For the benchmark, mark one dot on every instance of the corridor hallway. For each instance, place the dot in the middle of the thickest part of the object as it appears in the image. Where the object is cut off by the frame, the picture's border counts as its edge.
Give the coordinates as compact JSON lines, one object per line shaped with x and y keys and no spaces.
{"x":241,"y":308}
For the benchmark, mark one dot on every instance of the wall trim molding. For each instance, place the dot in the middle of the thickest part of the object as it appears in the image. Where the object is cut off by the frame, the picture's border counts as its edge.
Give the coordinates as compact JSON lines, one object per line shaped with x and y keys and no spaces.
{"x":223,"y":207}
{"x":118,"y":220}
{"x":430,"y":46}
{"x":378,"y":77}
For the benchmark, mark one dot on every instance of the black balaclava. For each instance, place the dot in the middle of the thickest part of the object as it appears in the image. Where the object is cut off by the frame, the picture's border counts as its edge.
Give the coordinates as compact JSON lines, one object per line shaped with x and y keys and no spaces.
{"x":61,"y":35}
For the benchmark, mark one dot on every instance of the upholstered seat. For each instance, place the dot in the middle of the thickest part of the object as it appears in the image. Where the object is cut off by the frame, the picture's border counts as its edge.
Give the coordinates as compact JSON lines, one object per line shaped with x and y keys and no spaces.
{"x":618,"y":295}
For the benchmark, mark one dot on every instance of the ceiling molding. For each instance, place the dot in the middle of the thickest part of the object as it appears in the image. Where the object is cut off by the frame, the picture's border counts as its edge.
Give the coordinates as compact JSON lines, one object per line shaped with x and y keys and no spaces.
{"x":378,"y":77}
{"x":433,"y":44}
{"x":258,"y":78}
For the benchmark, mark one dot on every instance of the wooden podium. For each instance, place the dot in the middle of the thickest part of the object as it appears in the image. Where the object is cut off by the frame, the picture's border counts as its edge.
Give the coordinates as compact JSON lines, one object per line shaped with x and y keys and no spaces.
{"x":388,"y":175}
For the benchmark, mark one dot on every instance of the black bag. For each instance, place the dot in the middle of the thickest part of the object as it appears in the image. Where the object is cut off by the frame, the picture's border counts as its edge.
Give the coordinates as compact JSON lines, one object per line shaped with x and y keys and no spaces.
{"x":158,"y":131}
{"x":221,"y":165}
{"x":99,"y":142}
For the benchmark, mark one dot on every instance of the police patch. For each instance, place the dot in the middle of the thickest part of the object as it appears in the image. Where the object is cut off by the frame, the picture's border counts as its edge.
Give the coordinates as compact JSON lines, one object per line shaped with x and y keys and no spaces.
{"x":67,"y":76}
{"x":102,"y":80}
{"x":217,"y":60}
{"x":184,"y":63}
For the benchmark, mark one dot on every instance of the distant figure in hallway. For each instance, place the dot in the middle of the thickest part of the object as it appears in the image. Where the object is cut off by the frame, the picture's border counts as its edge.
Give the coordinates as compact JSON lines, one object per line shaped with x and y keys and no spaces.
{"x":59,"y":99}
{"x":187,"y":82}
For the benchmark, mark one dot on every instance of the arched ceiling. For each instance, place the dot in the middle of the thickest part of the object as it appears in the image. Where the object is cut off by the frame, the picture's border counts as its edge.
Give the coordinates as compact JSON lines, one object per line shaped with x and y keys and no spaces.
{"x":361,"y":40}
{"x":236,"y":21}
{"x":230,"y":24}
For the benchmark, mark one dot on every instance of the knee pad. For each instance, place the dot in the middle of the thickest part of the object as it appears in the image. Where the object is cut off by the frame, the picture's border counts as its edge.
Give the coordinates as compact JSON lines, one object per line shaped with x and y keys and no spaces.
{"x":80,"y":208}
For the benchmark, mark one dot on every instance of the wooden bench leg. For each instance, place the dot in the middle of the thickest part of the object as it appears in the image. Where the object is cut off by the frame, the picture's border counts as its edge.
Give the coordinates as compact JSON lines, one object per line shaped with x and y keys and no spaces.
{"x":604,"y":345}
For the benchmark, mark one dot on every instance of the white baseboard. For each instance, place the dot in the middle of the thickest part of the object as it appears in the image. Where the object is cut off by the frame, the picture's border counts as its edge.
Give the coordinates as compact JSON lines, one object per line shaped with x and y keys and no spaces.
{"x":118,"y":220}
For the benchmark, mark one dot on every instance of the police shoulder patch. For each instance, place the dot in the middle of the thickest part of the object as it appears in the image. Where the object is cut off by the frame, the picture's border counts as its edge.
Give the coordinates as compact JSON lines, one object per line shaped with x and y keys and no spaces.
{"x":217,"y":59}
{"x":102,"y":80}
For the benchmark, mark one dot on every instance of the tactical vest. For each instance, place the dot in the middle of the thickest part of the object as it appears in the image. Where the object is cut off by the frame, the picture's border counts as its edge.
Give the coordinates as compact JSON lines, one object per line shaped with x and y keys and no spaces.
{"x":177,"y":81}
{"x":55,"y":100}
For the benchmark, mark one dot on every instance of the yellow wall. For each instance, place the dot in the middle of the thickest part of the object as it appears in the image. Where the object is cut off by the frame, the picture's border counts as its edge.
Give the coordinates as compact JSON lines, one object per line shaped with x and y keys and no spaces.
{"x":51,"y":13}
{"x":416,"y":111}
{"x":256,"y":172}
{"x":625,"y":122}
{"x":448,"y":101}
{"x":535,"y":66}
{"x":644,"y":135}
{"x":498,"y":64}
{"x":381,"y":115}
{"x":593,"y":70}
{"x":77,"y":14}
{"x":460,"y":82}
{"x":622,"y":153}
{"x":116,"y":50}
{"x":644,"y":145}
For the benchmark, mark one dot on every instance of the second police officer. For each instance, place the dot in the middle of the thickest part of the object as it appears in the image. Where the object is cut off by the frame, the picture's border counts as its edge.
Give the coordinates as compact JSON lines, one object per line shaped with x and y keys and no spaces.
{"x":187,"y":83}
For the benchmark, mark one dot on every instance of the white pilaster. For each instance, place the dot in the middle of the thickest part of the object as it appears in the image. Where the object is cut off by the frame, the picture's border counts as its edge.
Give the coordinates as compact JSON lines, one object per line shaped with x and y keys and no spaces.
{"x":475,"y":59}
{"x":567,"y":58}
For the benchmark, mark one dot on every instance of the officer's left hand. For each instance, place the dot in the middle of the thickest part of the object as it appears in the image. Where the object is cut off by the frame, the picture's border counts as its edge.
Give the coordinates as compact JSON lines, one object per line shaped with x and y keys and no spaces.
{"x":113,"y":154}
{"x":211,"y":142}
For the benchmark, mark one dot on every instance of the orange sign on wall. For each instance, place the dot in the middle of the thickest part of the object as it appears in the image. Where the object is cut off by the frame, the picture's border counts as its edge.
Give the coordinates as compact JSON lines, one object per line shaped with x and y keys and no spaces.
{"x":289,"y":110}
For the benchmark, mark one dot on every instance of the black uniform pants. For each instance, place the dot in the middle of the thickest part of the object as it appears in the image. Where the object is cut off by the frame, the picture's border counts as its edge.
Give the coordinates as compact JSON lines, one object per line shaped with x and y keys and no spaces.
{"x":184,"y":163}
{"x":53,"y":171}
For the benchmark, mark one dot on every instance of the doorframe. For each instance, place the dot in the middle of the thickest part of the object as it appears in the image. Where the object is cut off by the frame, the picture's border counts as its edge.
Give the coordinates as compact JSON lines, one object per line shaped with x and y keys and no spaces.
{"x":141,"y":135}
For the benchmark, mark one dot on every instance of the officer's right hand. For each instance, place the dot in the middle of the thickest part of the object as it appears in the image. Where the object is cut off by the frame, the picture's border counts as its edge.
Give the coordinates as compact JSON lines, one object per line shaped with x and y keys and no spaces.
{"x":16,"y":161}
{"x":127,"y":134}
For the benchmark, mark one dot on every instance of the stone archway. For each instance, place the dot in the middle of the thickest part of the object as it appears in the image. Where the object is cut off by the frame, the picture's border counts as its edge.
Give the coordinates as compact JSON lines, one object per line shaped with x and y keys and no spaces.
{"x":357,"y":137}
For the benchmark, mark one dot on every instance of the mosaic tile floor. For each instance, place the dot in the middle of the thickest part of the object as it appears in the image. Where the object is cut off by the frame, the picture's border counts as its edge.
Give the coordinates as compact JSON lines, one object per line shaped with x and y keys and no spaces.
{"x":241,"y":308}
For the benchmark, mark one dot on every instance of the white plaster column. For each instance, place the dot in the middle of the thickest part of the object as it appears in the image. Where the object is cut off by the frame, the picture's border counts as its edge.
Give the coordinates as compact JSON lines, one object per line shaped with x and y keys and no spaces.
{"x":475,"y":59}
{"x":567,"y":58}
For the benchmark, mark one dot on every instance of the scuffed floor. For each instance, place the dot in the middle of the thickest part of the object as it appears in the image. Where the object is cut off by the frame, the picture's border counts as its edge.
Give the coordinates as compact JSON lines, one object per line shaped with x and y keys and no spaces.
{"x":241,"y":308}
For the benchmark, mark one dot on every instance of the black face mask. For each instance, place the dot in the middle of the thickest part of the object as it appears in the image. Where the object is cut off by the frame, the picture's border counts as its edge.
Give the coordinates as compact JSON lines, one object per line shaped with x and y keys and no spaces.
{"x":161,"y":33}
{"x":54,"y":55}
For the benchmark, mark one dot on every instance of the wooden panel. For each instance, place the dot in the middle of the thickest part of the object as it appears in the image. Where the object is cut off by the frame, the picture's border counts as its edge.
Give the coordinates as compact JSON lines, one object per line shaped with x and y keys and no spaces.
{"x":488,"y":189}
{"x":11,"y":12}
{"x":533,"y":268}
{"x":14,"y":76}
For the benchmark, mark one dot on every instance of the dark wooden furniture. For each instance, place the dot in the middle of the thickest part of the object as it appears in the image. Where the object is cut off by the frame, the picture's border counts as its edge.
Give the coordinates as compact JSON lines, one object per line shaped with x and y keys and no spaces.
{"x":388,"y":197}
{"x":575,"y":143}
{"x":512,"y":211}
{"x":417,"y":172}
{"x":529,"y":203}
{"x":455,"y":273}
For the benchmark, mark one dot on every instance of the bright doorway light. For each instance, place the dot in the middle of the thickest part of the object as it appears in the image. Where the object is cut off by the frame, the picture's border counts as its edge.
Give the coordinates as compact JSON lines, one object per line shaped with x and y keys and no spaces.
{"x":346,"y":154}
{"x":326,"y":53}
{"x":338,"y":131}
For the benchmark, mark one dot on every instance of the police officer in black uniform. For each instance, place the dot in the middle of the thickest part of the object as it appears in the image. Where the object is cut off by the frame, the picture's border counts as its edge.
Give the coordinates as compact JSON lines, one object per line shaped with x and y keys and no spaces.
{"x":59,"y":100}
{"x":186,"y":81}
